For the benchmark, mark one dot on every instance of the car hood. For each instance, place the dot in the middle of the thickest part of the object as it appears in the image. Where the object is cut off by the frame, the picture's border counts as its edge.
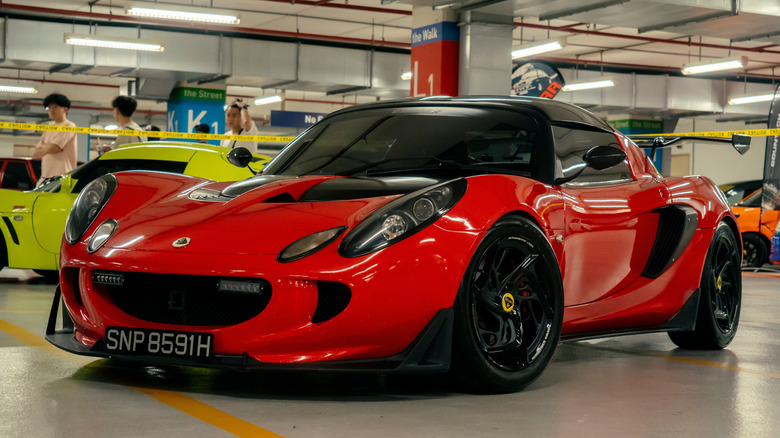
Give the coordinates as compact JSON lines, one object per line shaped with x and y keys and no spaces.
{"x":261,"y":215}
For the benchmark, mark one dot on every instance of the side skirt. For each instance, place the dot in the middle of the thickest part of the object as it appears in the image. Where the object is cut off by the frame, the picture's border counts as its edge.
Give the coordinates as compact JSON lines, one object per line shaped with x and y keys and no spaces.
{"x":683,"y":320}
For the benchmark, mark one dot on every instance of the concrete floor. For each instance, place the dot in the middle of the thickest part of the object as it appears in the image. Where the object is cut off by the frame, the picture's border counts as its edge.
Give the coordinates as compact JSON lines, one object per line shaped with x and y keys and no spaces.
{"x":634,"y":386}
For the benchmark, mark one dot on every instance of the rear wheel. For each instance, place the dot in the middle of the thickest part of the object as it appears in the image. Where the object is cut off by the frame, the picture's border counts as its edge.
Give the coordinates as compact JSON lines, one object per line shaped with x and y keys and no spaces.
{"x":721,"y":295}
{"x":755,"y":252}
{"x":509,"y":309}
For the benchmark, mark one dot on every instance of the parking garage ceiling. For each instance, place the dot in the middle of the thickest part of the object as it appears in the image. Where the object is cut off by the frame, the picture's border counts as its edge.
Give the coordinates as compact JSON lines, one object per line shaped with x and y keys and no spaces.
{"x":644,"y":37}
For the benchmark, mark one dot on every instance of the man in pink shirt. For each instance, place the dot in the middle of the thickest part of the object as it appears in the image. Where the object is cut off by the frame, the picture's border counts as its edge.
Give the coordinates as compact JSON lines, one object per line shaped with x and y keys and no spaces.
{"x":57,"y":150}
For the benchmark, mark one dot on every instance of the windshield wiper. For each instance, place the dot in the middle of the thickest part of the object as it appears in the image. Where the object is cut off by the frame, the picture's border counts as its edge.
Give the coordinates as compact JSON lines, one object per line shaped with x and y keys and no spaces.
{"x":354,"y":170}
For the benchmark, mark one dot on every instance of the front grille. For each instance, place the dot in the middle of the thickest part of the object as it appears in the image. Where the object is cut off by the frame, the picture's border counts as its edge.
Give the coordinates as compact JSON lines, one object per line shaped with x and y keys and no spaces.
{"x":183,"y":299}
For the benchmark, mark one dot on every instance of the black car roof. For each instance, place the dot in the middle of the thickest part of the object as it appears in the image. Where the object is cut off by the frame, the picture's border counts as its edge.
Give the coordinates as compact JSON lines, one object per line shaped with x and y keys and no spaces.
{"x":553,"y":110}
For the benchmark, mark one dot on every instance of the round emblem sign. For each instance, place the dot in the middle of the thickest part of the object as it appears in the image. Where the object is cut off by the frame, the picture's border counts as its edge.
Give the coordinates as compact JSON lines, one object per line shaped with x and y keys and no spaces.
{"x":536,"y":79}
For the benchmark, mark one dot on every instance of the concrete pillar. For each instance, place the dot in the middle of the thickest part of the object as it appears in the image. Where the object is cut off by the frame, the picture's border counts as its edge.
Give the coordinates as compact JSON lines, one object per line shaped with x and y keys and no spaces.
{"x":485,"y":54}
{"x":435,"y":41}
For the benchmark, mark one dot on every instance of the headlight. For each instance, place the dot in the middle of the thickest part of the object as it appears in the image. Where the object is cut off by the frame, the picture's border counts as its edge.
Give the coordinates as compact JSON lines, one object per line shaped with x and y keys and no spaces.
{"x":309,"y":244}
{"x":101,"y":235}
{"x":402,"y":218}
{"x":87,"y":206}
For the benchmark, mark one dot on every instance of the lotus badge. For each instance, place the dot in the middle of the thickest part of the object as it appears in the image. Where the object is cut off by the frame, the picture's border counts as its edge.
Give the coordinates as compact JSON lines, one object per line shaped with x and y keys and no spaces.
{"x":181,"y":242}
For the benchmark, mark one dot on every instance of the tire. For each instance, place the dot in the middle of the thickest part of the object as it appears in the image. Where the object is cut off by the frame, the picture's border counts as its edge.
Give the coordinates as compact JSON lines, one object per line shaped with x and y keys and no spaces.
{"x":755,"y":252}
{"x":509,"y":309}
{"x":49,"y":276}
{"x":720,"y":302}
{"x":3,"y":252}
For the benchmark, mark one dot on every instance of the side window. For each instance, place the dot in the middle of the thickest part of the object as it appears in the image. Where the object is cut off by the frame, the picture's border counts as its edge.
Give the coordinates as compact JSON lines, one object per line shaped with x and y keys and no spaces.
{"x":754,"y":200}
{"x":572,"y":144}
{"x":17,"y":177}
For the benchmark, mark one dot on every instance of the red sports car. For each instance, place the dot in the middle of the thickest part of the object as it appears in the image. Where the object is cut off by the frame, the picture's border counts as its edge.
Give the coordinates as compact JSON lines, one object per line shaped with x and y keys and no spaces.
{"x":467,"y":235}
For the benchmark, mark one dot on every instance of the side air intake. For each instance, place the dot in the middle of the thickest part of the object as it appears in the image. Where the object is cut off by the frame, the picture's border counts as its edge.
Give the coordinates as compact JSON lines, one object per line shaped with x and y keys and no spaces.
{"x":676,"y":226}
{"x":332,"y":299}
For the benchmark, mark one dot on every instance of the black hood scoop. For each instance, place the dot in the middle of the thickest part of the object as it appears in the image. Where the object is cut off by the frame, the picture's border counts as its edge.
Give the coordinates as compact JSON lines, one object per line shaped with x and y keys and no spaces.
{"x":335,"y":188}
{"x":342,"y":189}
{"x":246,"y":185}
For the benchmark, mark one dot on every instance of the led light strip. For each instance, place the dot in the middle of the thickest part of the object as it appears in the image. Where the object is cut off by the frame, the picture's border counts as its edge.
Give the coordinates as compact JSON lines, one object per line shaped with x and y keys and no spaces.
{"x":17,"y":89}
{"x":75,"y":39}
{"x":169,"y":14}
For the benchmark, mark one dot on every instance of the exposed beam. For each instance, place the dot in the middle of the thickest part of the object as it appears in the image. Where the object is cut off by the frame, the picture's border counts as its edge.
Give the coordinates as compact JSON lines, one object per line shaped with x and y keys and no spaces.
{"x":581,"y":9}
{"x":678,"y":23}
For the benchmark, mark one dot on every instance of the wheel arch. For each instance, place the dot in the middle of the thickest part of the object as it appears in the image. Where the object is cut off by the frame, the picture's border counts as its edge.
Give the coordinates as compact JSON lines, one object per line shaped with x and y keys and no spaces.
{"x":520,"y":213}
{"x":732,"y":223}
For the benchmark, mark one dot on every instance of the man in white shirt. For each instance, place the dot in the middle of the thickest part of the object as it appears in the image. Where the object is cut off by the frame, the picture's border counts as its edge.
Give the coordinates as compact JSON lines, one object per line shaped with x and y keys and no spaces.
{"x":239,"y":121}
{"x":124,"y":107}
{"x":57,"y":150}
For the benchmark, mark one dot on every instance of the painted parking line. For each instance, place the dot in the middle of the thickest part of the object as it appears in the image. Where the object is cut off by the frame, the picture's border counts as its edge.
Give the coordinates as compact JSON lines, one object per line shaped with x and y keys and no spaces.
{"x":188,"y":405}
{"x":708,"y":363}
{"x":206,"y":413}
{"x":761,"y":274}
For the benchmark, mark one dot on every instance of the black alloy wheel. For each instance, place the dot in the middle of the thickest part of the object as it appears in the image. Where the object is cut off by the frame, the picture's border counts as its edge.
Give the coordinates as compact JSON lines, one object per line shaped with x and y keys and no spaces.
{"x":509,"y":309}
{"x":721,"y":295}
{"x":755,"y":252}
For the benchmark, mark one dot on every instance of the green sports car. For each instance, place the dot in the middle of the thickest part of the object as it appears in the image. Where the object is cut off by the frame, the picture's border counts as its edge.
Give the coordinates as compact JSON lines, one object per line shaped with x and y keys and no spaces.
{"x":32,"y":222}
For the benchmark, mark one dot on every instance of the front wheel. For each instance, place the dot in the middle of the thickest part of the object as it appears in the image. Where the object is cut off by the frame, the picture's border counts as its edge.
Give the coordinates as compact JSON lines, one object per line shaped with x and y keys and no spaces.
{"x":721,"y":296}
{"x":509,"y":309}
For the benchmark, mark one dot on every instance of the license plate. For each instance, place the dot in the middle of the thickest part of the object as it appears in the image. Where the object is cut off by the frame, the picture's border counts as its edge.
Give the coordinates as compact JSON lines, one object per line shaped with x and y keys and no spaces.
{"x":136,"y":341}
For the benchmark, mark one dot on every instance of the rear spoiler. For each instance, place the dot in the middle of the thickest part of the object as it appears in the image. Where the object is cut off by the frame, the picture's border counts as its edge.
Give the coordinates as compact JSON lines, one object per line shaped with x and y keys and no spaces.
{"x":740,"y":142}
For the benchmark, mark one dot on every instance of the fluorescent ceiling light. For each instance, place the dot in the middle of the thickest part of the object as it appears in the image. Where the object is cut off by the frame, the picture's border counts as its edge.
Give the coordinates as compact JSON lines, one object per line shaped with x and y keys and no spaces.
{"x":185,"y":13}
{"x":108,"y":42}
{"x":17,"y":89}
{"x":588,"y":84}
{"x":266,"y":100}
{"x":715,"y":65}
{"x":538,"y":47}
{"x":407,"y":75}
{"x":752,"y":98}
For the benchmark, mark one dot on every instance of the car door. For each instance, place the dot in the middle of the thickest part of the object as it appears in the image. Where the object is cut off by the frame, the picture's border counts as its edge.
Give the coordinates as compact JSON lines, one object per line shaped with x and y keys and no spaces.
{"x":610,"y":219}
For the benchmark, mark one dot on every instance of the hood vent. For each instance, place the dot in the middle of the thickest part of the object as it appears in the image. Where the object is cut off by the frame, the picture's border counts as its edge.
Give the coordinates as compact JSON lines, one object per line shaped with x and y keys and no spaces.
{"x":281,"y":198}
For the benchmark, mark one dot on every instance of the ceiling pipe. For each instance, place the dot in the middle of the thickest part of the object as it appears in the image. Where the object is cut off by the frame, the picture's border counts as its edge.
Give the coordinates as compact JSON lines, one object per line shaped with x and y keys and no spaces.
{"x":49,"y":81}
{"x":325,"y":3}
{"x":213,"y":27}
{"x":569,"y":29}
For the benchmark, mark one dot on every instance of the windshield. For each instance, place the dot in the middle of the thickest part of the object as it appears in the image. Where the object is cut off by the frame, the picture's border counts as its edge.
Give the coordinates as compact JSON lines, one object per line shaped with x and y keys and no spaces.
{"x":410,"y":139}
{"x":50,"y":184}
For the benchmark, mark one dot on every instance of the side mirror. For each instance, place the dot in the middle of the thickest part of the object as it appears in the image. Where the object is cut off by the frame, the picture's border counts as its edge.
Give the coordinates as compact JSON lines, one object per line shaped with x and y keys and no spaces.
{"x":66,"y":183}
{"x":241,"y":157}
{"x":603,"y":157}
{"x":598,"y":158}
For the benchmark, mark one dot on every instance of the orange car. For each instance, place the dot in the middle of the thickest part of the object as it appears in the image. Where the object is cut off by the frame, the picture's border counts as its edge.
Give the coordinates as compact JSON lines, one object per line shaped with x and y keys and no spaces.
{"x":757,"y":229}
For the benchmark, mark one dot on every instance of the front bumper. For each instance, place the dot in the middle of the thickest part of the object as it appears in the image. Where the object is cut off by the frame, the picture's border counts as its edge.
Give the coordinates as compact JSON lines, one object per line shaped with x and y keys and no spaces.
{"x":429,"y":353}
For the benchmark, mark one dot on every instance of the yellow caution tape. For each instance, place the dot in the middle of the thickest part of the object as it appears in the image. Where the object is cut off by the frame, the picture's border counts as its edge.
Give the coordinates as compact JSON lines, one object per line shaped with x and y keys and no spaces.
{"x":130,"y":132}
{"x":750,"y":132}
{"x":280,"y":139}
